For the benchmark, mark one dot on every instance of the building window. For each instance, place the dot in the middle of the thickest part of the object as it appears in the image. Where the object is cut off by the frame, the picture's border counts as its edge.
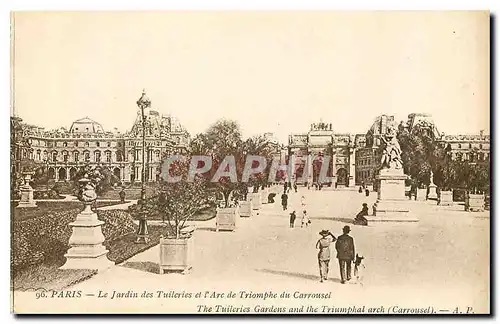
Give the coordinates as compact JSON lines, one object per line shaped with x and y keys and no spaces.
{"x":86,"y":144}
{"x":76,"y":156}
{"x":108,"y":156}
{"x":38,"y":157}
{"x":87,"y":157}
{"x":97,"y":144}
{"x":65,"y":156}
{"x":65,"y":144}
{"x":54,"y":156}
{"x":480,"y":146}
{"x":76,"y":144}
{"x":109,"y":144}
{"x":470,"y":145}
{"x":157,"y":155}
{"x":459,"y":145}
{"x":97,"y":156}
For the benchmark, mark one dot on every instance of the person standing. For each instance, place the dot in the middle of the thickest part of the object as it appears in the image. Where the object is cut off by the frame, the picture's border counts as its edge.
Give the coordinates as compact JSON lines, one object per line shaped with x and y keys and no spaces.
{"x":305,"y":219}
{"x":293,"y":216}
{"x":284,"y":200}
{"x":323,"y":245}
{"x":295,"y":186}
{"x":303,"y":201}
{"x":122,"y":195}
{"x":345,"y":254}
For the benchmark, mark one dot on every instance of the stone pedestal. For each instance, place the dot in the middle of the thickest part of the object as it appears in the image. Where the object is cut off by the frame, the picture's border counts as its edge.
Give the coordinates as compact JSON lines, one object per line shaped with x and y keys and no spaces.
{"x":86,"y":250}
{"x":445,"y":198}
{"x":432,"y":192}
{"x":26,"y":193}
{"x":421,"y":195}
{"x":391,"y":205}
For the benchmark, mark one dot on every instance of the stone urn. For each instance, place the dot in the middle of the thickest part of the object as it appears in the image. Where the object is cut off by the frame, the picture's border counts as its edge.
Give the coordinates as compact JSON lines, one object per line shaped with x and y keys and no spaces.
{"x":225,"y":219}
{"x":474,"y":202}
{"x":26,"y":192}
{"x":86,"y":249}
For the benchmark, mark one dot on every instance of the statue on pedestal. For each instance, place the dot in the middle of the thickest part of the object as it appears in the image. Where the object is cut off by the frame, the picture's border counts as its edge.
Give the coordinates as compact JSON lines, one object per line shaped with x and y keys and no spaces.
{"x":391,"y":155}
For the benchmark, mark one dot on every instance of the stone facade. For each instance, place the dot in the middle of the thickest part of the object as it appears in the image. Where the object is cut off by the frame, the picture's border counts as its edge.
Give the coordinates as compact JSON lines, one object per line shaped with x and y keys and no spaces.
{"x":322,"y":141}
{"x":474,"y":148}
{"x":62,"y":152}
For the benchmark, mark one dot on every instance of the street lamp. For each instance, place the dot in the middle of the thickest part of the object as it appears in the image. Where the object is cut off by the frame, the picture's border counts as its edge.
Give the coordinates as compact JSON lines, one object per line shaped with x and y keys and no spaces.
{"x":46,"y":161}
{"x":142,"y":232}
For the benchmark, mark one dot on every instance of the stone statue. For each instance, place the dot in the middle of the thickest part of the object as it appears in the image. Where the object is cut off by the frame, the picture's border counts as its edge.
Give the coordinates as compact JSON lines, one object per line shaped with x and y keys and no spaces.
{"x":391,"y":155}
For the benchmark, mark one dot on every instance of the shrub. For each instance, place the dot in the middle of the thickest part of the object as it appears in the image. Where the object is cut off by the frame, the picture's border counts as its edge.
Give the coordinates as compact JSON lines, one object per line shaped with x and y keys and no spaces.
{"x":45,"y":238}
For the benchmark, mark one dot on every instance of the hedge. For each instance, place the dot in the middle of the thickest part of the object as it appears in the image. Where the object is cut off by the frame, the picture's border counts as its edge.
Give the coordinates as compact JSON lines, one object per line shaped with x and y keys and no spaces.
{"x":45,"y":238}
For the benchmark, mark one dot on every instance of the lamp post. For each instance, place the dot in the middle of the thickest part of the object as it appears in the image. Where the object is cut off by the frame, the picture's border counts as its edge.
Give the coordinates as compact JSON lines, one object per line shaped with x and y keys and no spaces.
{"x":142,"y":233}
{"x":46,"y":161}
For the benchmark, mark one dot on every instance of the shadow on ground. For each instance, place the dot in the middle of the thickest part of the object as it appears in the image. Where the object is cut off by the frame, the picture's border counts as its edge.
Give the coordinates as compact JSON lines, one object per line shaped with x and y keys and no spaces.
{"x":207,"y":229}
{"x":295,"y":274}
{"x":146,"y":266}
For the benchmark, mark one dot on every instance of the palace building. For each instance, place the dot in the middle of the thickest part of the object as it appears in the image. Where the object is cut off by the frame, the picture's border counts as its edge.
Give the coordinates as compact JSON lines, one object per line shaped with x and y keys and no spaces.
{"x":64,"y":151}
{"x":355,"y":158}
{"x":322,"y":141}
{"x":473,"y":148}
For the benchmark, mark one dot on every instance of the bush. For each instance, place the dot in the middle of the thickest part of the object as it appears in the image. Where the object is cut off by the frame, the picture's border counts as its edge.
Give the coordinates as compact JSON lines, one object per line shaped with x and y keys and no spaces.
{"x":45,"y":238}
{"x":44,"y":194}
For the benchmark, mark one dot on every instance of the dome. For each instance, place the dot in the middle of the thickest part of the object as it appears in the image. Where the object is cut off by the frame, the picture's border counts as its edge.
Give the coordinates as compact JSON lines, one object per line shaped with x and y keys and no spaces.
{"x":86,"y":125}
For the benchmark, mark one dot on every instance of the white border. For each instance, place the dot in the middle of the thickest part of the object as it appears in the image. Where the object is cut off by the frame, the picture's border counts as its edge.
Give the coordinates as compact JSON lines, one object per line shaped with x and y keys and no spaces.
{"x":7,"y":6}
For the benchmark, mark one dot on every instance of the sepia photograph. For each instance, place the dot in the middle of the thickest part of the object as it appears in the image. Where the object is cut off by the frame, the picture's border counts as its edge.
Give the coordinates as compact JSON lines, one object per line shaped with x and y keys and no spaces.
{"x":250,"y":162}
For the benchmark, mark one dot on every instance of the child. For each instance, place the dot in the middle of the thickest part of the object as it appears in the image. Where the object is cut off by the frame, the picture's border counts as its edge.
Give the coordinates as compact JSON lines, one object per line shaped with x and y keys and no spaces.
{"x":305,"y":219}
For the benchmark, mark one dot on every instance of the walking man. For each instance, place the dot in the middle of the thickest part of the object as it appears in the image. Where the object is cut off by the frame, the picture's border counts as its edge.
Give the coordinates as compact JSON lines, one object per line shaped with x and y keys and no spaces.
{"x":284,"y":200}
{"x":292,"y":219}
{"x":345,"y":254}
{"x":323,"y":245}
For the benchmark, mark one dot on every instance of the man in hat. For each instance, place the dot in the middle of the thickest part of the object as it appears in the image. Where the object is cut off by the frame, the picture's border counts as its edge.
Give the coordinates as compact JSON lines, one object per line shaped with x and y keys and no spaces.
{"x":323,"y":245}
{"x":345,"y":254}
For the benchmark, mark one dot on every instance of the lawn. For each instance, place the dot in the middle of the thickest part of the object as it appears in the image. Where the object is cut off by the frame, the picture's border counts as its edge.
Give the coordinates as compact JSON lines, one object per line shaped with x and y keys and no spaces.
{"x":48,"y":276}
{"x":40,"y":239}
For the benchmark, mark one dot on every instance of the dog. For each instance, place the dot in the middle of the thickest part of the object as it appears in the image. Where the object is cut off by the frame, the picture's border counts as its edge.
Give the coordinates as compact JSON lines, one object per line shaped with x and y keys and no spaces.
{"x":358,"y":269}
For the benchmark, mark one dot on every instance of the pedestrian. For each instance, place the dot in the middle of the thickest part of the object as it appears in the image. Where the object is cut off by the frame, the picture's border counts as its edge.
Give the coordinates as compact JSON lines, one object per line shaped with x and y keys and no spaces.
{"x":285,"y":187}
{"x":303,"y":201}
{"x":284,"y":200}
{"x":122,"y":195}
{"x":360,"y":217}
{"x":295,"y":186}
{"x":345,"y":254}
{"x":293,"y":216}
{"x":305,"y":219}
{"x":323,"y":245}
{"x":367,"y":192}
{"x":360,"y":190}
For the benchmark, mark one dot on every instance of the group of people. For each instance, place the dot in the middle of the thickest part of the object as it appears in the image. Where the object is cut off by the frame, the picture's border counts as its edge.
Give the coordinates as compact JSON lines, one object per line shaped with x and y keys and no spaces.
{"x":344,"y":245}
{"x":365,"y":189}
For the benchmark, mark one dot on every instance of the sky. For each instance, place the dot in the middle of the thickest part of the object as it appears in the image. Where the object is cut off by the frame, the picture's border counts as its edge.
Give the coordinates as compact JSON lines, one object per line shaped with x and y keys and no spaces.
{"x":270,"y":71}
